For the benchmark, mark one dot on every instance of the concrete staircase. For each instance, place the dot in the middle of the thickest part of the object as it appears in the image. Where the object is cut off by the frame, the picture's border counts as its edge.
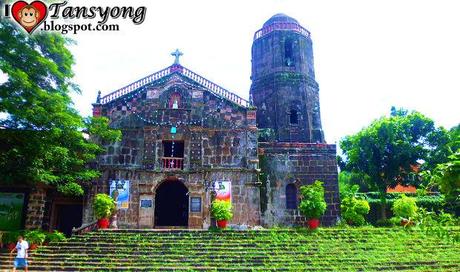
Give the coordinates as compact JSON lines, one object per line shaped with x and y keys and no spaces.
{"x":267,"y":250}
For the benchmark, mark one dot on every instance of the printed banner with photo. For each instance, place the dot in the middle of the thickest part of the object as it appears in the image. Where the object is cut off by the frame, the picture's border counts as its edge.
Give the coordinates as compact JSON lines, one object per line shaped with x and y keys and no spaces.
{"x":223,"y":190}
{"x":120,"y":187}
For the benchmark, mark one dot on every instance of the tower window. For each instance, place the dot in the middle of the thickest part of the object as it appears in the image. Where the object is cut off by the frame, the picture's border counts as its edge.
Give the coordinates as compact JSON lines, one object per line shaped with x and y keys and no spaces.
{"x":288,"y":56}
{"x":291,"y":196}
{"x":174,"y":101}
{"x":293,"y":117}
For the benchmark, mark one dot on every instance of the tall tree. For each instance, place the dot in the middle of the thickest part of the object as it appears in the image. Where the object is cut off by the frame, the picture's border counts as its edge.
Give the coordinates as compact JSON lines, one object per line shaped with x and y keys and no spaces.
{"x":42,"y":136}
{"x":446,"y":176}
{"x":391,"y":149}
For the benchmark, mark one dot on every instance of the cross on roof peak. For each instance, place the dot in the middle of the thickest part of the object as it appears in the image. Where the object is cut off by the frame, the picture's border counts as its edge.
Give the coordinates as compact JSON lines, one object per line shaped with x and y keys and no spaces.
{"x":177,"y":55}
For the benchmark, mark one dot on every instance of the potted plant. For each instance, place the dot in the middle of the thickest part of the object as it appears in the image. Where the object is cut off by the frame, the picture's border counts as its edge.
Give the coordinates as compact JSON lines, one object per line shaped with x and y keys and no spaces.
{"x":55,"y":236}
{"x":222,"y":212}
{"x":9,"y":238}
{"x":103,"y":207}
{"x":35,"y":238}
{"x":312,"y":204}
{"x":405,"y":208}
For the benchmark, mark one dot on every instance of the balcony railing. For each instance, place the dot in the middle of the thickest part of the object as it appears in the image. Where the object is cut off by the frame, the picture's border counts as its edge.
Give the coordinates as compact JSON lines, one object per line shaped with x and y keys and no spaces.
{"x":173,"y":163}
{"x":281,"y":26}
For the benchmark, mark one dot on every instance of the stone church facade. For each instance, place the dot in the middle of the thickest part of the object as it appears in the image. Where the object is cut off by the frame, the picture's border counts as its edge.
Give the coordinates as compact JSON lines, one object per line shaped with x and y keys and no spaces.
{"x":183,"y":136}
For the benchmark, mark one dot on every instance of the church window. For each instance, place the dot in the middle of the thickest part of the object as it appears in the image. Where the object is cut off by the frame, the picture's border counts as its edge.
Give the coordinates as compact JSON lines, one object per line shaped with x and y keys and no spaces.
{"x":173,"y":155}
{"x":293,"y":117}
{"x":173,"y":149}
{"x":288,"y":54}
{"x":174,"y":101}
{"x":291,"y":196}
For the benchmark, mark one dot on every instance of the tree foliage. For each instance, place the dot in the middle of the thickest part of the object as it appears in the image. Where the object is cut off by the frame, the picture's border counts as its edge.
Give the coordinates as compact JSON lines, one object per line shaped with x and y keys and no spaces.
{"x":447,"y":177}
{"x":42,"y":136}
{"x":392,"y":149}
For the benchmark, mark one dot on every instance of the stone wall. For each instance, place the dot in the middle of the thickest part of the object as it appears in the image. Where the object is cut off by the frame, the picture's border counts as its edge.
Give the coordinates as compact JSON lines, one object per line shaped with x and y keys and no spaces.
{"x":245,"y":195}
{"x":298,"y":164}
{"x":220,"y":144}
{"x":215,"y":131}
{"x":35,"y":208}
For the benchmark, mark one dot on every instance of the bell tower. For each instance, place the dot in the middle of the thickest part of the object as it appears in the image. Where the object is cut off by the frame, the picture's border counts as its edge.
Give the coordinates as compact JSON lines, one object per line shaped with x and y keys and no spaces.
{"x":283,"y":86}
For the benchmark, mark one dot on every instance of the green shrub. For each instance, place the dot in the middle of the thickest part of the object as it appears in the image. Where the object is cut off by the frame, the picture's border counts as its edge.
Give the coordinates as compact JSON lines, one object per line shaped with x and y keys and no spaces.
{"x":432,"y":202}
{"x":35,"y":237}
{"x":312,"y":204}
{"x":103,"y":206}
{"x":221,"y":210}
{"x":439,"y":225}
{"x":405,"y":207}
{"x":427,"y":219}
{"x":55,"y":236}
{"x":354,"y":210}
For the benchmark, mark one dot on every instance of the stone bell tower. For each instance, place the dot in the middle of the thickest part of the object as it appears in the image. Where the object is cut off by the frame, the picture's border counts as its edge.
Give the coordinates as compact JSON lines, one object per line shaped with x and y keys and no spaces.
{"x":283,"y":87}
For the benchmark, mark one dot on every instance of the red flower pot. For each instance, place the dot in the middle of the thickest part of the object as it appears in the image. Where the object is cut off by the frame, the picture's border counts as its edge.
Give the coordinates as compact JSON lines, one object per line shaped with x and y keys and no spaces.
{"x":407,"y":222}
{"x":313,"y":223}
{"x":11,"y":246}
{"x":222,"y":224}
{"x":103,"y":223}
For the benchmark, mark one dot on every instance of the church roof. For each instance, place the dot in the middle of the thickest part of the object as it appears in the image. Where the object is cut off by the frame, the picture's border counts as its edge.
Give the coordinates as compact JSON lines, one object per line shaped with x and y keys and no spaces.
{"x":175,"y":68}
{"x":280,"y":18}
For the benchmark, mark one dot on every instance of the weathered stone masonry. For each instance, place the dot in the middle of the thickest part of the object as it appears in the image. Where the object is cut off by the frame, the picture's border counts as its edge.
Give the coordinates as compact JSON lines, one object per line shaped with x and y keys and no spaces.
{"x":298,"y":164}
{"x":219,"y":144}
{"x":219,"y":137}
{"x":292,"y":150}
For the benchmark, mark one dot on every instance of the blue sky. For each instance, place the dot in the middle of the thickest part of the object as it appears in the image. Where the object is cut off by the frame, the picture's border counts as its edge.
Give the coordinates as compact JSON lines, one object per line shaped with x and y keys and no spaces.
{"x":369,"y":55}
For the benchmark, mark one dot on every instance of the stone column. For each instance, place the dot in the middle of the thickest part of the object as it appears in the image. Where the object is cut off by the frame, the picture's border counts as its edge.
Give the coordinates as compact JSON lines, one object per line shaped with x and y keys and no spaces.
{"x":36,"y":208}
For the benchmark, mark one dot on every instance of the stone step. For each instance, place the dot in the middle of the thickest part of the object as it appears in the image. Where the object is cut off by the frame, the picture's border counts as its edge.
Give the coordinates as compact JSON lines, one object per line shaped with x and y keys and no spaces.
{"x":267,"y":250}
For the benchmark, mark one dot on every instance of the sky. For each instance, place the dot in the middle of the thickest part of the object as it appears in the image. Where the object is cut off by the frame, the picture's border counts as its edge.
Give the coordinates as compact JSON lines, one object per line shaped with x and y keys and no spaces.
{"x":369,"y":55}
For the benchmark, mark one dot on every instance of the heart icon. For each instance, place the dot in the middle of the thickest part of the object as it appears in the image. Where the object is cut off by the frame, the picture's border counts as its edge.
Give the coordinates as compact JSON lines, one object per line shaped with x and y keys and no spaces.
{"x":29,"y":16}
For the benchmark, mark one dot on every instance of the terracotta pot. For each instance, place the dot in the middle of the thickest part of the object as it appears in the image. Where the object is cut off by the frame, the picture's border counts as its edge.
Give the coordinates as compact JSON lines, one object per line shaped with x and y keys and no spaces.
{"x":33,"y":246}
{"x":406,"y":222}
{"x":11,"y":246}
{"x":222,"y":224}
{"x":313,"y":223}
{"x":103,"y":223}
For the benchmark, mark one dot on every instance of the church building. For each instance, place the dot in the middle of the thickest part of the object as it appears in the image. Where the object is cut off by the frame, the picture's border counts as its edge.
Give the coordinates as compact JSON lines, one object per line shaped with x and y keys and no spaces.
{"x":185,"y":139}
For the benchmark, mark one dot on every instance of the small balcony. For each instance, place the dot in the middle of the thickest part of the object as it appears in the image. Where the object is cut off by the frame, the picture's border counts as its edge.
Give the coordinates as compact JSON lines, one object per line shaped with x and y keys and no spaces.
{"x":171,"y":163}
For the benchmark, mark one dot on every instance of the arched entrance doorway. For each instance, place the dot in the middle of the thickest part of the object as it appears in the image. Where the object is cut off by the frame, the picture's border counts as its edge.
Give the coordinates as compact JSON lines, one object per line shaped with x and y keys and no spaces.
{"x":171,"y":204}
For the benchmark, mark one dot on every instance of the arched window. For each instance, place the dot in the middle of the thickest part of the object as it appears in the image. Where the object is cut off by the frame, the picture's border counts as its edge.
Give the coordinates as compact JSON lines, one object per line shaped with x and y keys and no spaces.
{"x":291,"y":196}
{"x":293,"y":117}
{"x":174,"y":101}
{"x":288,"y":54}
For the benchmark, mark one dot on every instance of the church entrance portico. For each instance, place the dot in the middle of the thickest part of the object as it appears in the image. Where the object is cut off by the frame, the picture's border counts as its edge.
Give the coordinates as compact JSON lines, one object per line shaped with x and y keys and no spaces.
{"x":171,"y":204}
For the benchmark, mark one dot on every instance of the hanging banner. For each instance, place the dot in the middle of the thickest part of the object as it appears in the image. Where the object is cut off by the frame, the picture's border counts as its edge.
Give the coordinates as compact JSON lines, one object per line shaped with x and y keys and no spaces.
{"x":11,"y":208}
{"x":119,"y":189}
{"x":223,"y":190}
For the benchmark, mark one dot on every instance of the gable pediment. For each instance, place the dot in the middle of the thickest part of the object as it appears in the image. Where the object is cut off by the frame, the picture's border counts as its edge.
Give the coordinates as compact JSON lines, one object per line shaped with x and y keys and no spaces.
{"x":173,"y":77}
